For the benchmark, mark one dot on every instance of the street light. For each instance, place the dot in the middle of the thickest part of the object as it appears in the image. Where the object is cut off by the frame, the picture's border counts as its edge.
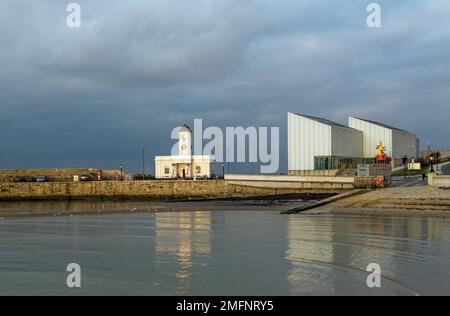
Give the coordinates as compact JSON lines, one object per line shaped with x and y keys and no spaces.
{"x":431,"y":163}
{"x":438,"y":156}
{"x":223,"y":169}
{"x":405,"y":161}
{"x":143,"y":163}
{"x":121,"y":172}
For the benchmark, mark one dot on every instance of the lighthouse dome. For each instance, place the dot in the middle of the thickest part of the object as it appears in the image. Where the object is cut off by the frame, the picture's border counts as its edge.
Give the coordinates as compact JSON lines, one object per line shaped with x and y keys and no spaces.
{"x":185,"y":128}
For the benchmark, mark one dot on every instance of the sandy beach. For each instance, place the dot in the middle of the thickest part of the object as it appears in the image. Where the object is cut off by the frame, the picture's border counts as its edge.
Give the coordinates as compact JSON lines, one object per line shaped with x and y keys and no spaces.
{"x":396,"y":201}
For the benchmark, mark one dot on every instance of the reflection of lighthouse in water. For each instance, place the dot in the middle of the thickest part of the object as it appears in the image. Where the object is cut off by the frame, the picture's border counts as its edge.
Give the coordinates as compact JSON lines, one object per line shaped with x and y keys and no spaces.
{"x":181,"y":239}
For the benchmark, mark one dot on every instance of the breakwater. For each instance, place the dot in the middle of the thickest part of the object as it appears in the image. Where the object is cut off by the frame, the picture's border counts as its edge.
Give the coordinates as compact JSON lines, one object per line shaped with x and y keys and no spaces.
{"x":164,"y":189}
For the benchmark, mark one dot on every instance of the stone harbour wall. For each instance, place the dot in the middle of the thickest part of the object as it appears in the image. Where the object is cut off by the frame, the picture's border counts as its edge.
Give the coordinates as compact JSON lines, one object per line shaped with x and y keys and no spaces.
{"x":156,"y":190}
{"x":55,"y":174}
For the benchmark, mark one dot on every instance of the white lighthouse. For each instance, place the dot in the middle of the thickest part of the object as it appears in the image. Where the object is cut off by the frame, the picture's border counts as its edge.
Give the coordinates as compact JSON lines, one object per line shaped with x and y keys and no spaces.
{"x":184,"y":165}
{"x":185,"y":141}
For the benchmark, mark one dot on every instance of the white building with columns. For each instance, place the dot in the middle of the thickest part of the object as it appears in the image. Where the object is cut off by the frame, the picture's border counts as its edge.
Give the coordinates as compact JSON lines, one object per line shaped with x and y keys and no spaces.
{"x":185,"y":165}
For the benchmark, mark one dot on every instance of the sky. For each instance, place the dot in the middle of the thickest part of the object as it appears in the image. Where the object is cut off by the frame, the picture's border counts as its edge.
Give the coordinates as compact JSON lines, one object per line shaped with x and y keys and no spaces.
{"x":93,"y":96}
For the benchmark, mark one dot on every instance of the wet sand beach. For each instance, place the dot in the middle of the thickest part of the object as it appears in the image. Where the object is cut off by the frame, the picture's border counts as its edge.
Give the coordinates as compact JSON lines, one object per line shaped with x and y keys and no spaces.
{"x":73,"y":208}
{"x":396,"y":201}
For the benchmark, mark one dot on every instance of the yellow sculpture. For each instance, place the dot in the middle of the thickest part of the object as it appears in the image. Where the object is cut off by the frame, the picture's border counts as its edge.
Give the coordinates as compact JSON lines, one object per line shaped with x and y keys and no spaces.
{"x":381,"y":154}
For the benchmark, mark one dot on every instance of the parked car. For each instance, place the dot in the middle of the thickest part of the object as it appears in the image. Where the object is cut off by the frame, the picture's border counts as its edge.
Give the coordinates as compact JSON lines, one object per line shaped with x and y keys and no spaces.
{"x":19,"y":179}
{"x":24,"y":179}
{"x":42,"y":179}
{"x":87,"y":177}
{"x":30,"y":179}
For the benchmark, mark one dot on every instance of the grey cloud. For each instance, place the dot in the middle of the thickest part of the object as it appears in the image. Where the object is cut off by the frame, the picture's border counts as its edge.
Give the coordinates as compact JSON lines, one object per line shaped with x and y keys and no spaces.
{"x":136,"y":69}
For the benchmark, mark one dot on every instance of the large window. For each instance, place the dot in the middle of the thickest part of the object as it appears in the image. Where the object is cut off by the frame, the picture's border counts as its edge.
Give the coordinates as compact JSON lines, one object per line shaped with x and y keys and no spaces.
{"x":333,"y":162}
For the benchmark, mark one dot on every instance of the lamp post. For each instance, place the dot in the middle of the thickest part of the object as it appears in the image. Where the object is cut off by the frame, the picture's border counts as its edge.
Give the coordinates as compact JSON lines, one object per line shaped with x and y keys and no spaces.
{"x":223,"y":169}
{"x":438,"y":156}
{"x":405,"y":161}
{"x":431,"y":163}
{"x":143,"y":163}
{"x":121,"y":172}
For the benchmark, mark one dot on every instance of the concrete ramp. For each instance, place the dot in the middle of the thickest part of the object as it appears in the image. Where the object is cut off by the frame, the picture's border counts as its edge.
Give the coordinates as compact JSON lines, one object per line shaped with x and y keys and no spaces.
{"x":324,"y":202}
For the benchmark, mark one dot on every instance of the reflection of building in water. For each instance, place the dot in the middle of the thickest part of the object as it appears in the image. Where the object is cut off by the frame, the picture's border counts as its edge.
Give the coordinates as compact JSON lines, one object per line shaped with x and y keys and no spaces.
{"x":182,"y":238}
{"x":331,"y":254}
{"x":391,"y":241}
{"x":310,"y":251}
{"x":423,"y":228}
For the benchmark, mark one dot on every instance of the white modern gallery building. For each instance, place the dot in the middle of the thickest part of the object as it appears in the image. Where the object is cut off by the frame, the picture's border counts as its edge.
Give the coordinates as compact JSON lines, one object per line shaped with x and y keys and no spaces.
{"x":319,"y":144}
{"x":398,"y":142}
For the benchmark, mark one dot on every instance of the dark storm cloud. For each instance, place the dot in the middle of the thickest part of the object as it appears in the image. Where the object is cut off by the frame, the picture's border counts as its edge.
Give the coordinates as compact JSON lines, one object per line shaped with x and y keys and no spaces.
{"x":135,"y":69}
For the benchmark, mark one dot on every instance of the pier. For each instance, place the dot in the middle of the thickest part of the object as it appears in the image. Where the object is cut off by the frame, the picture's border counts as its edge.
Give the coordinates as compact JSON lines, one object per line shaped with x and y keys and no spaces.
{"x":183,"y":189}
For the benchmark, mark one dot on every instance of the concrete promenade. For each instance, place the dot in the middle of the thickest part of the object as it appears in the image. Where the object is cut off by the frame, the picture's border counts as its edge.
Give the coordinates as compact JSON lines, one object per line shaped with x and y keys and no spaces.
{"x":302,"y":182}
